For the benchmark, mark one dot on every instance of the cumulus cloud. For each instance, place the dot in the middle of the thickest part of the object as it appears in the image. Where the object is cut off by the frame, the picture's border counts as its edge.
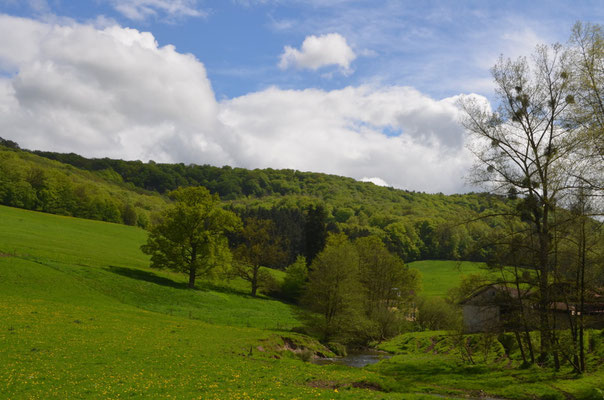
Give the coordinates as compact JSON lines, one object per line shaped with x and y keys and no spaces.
{"x":317,"y":52}
{"x":375,"y":180}
{"x":342,"y":132}
{"x":110,"y":91}
{"x":143,"y":9}
{"x":114,"y":92}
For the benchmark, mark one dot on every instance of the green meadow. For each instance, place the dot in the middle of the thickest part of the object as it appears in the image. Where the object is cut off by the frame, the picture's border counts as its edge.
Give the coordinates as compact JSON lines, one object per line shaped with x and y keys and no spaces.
{"x":439,"y":276}
{"x":82,"y":316}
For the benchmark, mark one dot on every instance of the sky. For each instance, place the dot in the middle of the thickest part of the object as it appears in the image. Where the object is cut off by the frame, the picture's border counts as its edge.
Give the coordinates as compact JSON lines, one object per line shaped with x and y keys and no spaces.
{"x":360,"y":88}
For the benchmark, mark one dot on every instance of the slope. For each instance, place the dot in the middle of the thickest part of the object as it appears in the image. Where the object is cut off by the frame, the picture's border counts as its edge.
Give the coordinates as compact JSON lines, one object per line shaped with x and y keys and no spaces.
{"x":81,"y":317}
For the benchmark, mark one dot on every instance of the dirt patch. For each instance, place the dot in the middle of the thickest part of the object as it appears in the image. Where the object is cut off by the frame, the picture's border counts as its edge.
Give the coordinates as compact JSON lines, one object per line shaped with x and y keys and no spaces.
{"x":325,"y":384}
{"x":431,"y":347}
{"x":5,"y":255}
{"x":367,"y":385}
{"x":320,"y":384}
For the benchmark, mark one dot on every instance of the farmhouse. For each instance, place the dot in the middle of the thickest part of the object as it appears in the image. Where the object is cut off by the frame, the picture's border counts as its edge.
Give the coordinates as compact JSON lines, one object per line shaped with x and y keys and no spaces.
{"x":487,"y":309}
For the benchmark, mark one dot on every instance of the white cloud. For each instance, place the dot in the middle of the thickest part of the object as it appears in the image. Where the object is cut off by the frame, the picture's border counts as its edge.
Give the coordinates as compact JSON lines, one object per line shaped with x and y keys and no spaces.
{"x":341,"y":132}
{"x":376,"y":181}
{"x":114,"y":92}
{"x":317,"y":52}
{"x":143,"y":9}
{"x":107,"y":92}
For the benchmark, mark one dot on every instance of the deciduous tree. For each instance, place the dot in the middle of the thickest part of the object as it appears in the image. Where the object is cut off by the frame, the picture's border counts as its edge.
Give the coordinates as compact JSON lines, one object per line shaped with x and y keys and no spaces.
{"x":260,"y":246}
{"x":524,"y":147}
{"x":190,"y":235}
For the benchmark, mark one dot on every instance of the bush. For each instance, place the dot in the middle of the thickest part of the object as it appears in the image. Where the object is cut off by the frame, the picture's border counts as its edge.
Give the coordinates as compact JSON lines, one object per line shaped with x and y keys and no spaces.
{"x":295,"y":279}
{"x":436,"y":314}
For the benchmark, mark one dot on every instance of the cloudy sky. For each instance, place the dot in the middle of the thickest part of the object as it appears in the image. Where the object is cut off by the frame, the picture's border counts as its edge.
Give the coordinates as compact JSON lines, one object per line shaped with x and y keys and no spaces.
{"x":361,"y":88}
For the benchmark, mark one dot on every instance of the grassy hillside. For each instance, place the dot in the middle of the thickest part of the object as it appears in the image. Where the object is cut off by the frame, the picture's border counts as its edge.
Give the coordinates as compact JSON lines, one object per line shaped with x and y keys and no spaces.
{"x":36,"y":183}
{"x":439,"y":276}
{"x":81,"y":317}
{"x":413,"y":225}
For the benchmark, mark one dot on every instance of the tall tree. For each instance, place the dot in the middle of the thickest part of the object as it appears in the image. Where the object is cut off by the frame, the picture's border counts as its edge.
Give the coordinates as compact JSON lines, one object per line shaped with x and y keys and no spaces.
{"x":260,"y":246}
{"x":524,"y":147}
{"x":389,"y":285}
{"x":587,"y":66}
{"x":190,"y":235}
{"x":334,"y":291}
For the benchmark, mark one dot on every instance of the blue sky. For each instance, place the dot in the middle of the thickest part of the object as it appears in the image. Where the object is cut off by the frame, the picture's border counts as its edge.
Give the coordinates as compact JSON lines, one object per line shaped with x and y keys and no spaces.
{"x":358,"y":88}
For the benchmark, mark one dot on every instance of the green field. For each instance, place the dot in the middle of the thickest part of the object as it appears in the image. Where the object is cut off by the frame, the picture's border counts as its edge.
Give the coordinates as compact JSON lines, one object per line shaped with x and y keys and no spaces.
{"x":438,"y":277}
{"x":81,"y":316}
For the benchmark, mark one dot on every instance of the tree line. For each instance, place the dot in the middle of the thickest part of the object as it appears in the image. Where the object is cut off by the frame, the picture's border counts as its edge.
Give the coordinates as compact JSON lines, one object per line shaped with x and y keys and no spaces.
{"x":33,"y":183}
{"x":412,"y":225}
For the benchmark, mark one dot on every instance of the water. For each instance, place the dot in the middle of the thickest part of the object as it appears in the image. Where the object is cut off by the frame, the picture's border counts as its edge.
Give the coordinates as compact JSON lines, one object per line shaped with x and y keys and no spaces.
{"x":355,"y":359}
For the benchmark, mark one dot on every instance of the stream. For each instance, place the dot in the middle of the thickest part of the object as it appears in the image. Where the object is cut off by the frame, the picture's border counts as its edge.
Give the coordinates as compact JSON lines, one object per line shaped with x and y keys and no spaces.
{"x":358,"y":359}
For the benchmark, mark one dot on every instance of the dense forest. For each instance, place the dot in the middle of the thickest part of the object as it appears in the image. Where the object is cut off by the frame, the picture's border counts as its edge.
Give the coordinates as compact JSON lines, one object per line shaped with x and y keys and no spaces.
{"x":304,"y":206}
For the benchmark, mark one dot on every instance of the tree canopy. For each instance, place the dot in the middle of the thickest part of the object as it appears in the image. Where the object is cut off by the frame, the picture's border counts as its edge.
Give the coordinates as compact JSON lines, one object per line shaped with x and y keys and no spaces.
{"x":190,"y":236}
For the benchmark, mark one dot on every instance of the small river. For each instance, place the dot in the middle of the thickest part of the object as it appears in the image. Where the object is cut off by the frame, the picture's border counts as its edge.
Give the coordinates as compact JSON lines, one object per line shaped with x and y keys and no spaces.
{"x":357,"y":359}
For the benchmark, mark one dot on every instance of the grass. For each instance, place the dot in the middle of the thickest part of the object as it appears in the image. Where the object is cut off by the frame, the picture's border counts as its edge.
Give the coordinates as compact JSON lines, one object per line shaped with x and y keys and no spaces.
{"x":81,"y":316}
{"x":439,"y":276}
{"x":431,"y":362}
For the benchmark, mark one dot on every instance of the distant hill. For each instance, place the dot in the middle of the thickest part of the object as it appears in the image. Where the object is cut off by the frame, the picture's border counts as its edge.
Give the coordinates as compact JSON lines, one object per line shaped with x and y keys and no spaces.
{"x":36,"y":183}
{"x":414,"y":225}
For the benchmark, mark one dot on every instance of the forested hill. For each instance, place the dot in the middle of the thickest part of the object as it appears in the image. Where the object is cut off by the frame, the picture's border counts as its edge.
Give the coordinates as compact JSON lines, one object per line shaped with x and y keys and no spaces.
{"x":302,"y":204}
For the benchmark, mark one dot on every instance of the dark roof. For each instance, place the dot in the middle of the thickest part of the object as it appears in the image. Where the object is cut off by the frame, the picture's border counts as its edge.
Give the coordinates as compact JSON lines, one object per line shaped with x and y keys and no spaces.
{"x":502,"y":289}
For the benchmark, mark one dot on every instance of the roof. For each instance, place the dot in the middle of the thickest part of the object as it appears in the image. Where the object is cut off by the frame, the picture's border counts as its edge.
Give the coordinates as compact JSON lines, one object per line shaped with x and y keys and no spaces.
{"x":503,"y":289}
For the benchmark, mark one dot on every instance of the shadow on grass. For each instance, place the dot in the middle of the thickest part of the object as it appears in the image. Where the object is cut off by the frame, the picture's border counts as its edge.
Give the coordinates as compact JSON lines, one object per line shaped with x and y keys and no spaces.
{"x":146,"y":276}
{"x":201,"y":285}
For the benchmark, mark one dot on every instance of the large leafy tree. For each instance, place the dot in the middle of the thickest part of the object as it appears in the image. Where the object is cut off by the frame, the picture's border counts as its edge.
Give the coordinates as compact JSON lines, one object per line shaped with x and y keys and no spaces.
{"x":389,"y":286}
{"x":334,"y":291}
{"x":190,"y":235}
{"x":261,"y":246}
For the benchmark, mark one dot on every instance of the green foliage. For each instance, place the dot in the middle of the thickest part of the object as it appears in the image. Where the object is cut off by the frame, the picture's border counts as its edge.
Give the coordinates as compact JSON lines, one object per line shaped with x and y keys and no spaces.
{"x":305,"y":206}
{"x":360,"y":291}
{"x":434,"y":313}
{"x":190,"y":237}
{"x":334,"y":291}
{"x":389,"y":287}
{"x":315,"y":230}
{"x":259,"y":246}
{"x":35,"y":183}
{"x":295,"y":279}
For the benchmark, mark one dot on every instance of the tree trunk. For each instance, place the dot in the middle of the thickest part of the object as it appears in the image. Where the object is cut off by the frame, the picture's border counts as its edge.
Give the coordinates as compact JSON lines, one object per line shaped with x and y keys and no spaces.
{"x":192,"y":268}
{"x":544,"y":302}
{"x":191,"y":278}
{"x":520,"y":346}
{"x":583,"y":248}
{"x":254,"y":280}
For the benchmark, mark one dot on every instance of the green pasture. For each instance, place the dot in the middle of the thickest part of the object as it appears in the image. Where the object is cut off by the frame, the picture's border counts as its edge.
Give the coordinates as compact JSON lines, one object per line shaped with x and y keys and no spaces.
{"x":438,"y":276}
{"x":83,"y":317}
{"x":431,"y":362}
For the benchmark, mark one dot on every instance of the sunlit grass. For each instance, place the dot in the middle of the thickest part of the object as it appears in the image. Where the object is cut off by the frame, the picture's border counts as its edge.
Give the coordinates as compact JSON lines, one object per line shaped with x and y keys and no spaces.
{"x":439,"y":276}
{"x":82,"y":316}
